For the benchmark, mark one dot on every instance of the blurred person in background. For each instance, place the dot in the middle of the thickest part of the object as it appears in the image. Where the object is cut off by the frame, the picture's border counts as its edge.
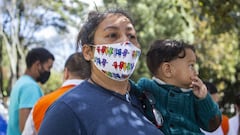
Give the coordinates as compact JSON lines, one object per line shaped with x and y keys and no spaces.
{"x":3,"y":119}
{"x":76,"y":70}
{"x":26,"y":91}
{"x":223,"y":129}
{"x":234,"y":122}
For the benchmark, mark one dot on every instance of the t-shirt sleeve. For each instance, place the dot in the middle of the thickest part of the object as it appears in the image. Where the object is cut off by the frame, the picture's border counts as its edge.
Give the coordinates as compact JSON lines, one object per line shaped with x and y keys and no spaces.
{"x":60,"y":120}
{"x":29,"y":94}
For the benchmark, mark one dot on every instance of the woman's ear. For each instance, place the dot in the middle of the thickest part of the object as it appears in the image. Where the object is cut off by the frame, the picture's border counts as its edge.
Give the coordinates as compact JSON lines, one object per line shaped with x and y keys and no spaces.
{"x":166,"y":69}
{"x":87,"y":52}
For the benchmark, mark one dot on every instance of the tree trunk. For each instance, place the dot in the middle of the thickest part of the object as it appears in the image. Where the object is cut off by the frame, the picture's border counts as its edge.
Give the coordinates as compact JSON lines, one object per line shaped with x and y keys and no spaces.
{"x":1,"y":68}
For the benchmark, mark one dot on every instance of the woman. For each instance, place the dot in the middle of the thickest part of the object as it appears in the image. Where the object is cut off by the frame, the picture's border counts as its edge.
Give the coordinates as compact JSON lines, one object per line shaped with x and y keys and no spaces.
{"x":104,"y":104}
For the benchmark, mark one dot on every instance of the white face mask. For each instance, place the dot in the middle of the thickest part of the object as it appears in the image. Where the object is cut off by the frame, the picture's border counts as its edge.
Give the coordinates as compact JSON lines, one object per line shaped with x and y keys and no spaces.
{"x":117,"y":61}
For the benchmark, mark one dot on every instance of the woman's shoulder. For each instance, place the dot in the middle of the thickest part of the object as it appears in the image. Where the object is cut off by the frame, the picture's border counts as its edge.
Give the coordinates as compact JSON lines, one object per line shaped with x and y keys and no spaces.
{"x":78,"y":92}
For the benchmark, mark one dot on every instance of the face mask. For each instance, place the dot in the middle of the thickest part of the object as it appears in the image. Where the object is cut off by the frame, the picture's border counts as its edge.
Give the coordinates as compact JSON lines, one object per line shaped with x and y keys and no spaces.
{"x":117,"y":61}
{"x":44,"y":76}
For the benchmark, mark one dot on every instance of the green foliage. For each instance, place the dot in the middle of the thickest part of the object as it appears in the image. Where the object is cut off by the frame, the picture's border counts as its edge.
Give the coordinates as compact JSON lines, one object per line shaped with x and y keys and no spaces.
{"x":69,"y":11}
{"x":22,"y":20}
{"x":218,"y":42}
{"x":221,"y":16}
{"x":218,"y":57}
{"x":55,"y":81}
{"x":5,"y":71}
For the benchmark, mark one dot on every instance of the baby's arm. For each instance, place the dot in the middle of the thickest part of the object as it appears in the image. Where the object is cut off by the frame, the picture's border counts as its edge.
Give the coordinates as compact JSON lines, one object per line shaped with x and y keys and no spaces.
{"x":207,"y":110}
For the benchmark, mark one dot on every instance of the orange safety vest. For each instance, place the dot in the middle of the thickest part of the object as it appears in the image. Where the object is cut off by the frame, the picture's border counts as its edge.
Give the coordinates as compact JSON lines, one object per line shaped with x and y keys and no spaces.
{"x":42,"y":105}
{"x":225,"y":124}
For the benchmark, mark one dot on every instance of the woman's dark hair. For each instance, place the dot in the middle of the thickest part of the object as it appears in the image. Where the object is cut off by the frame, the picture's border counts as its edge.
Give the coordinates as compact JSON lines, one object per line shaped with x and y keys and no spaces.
{"x":88,"y":29}
{"x":165,"y":51}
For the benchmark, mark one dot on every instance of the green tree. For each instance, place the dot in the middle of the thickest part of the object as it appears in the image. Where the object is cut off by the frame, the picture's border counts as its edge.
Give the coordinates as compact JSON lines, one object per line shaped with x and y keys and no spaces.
{"x":1,"y":70}
{"x":54,"y":82}
{"x":20,"y":21}
{"x":219,"y":44}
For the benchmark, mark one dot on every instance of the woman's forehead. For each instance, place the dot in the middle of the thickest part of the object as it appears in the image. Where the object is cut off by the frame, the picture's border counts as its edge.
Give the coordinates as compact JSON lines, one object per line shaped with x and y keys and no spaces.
{"x":116,"y":15}
{"x":115,"y":19}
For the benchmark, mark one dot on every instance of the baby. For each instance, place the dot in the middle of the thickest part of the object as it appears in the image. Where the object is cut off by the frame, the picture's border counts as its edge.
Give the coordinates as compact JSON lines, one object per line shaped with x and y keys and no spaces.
{"x":182,"y":99}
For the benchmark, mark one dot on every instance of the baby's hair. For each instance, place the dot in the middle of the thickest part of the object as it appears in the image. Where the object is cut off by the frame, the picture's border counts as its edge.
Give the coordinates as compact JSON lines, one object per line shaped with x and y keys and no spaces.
{"x":165,"y":51}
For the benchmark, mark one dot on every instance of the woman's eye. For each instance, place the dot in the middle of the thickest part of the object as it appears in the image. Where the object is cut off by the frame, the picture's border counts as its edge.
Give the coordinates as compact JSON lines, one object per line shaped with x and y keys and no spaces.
{"x":130,"y":36}
{"x":112,"y":35}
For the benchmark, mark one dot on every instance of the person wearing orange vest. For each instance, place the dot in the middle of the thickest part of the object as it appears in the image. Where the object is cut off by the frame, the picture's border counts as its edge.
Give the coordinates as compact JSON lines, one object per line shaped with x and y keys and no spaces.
{"x":234,"y":121}
{"x":223,"y":129}
{"x":75,"y":71}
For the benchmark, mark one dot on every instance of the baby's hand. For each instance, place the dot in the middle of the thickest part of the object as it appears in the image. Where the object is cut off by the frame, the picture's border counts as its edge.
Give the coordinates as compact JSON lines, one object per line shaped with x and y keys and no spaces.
{"x":199,"y":88}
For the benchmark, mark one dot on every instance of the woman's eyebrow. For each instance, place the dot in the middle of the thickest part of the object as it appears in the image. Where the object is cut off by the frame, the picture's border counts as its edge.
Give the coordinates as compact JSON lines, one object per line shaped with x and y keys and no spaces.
{"x":129,"y":28}
{"x":110,"y":27}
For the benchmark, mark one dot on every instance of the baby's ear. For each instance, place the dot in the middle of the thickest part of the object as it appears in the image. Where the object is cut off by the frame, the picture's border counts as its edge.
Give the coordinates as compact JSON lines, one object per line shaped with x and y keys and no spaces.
{"x":166,"y":69}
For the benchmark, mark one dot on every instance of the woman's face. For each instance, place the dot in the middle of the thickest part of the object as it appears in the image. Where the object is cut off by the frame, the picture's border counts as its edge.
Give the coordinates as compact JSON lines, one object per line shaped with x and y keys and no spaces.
{"x":115,"y":28}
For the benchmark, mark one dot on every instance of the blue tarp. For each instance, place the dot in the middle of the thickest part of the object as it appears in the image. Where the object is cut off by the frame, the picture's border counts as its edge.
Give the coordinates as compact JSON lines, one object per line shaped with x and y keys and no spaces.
{"x":3,"y":126}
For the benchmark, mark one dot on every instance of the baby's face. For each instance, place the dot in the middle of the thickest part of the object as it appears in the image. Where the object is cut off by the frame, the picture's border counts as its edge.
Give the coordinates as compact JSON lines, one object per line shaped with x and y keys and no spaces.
{"x":183,"y":69}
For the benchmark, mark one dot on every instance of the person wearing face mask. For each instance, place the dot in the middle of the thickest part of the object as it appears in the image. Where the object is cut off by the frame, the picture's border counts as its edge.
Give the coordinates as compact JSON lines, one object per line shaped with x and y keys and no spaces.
{"x":181,"y":104}
{"x":104,"y":104}
{"x":26,"y":90}
{"x":76,"y":70}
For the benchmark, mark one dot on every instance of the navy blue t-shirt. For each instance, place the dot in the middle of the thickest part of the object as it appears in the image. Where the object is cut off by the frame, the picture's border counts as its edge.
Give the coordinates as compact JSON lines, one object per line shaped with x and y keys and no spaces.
{"x":91,"y":110}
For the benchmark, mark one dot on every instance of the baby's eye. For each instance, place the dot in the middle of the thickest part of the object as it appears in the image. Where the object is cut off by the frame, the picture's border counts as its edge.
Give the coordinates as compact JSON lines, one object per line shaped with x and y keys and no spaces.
{"x":194,"y":67}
